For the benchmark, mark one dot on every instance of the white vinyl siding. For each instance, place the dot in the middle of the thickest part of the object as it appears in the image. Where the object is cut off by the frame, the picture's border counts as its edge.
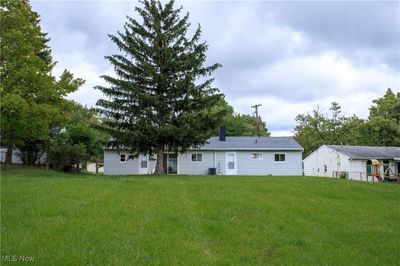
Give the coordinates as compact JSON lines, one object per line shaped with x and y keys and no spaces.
{"x":267,"y":166}
{"x":114,"y":166}
{"x":256,"y":156}
{"x":187,"y":166}
{"x":314,"y":164}
{"x":245,"y":165}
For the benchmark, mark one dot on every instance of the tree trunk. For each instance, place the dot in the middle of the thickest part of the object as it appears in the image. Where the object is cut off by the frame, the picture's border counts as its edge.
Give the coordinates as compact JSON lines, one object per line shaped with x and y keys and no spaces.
{"x":160,"y":162}
{"x":9,"y":154}
{"x":97,"y":166}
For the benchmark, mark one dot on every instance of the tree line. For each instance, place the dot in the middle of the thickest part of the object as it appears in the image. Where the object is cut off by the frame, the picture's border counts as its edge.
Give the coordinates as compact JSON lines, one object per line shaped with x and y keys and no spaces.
{"x":381,"y":128}
{"x":156,"y":104}
{"x":36,"y":119}
{"x":161,"y":98}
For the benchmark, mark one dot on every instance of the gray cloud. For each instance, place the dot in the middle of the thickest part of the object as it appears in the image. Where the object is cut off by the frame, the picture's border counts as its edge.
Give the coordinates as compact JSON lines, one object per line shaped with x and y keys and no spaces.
{"x":349,"y":26}
{"x":371,"y":23}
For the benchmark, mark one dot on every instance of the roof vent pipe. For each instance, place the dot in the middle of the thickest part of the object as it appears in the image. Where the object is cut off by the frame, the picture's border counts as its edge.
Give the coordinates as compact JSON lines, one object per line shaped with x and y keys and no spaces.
{"x":221,"y":134}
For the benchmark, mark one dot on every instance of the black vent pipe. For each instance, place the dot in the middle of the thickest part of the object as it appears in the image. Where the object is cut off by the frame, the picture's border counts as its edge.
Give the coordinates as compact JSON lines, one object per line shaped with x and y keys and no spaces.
{"x":222,"y":134}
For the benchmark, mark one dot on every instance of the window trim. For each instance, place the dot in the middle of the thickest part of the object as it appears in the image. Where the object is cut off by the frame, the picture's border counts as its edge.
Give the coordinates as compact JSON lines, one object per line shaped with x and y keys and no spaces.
{"x":125,"y":158}
{"x":196,"y":153}
{"x":255,"y":158}
{"x":275,"y":161}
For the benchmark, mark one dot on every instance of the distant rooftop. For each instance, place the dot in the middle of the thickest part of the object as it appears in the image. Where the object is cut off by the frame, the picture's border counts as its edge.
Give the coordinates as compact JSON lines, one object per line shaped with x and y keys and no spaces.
{"x":367,"y":152}
{"x":252,"y":143}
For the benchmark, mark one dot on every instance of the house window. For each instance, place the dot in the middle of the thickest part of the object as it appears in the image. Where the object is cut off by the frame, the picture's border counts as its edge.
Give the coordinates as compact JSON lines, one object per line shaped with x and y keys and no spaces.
{"x":197,"y":157}
{"x":256,"y":156}
{"x":122,"y":158}
{"x":325,"y":168}
{"x":231,"y":161}
{"x":143,"y":164}
{"x":280,"y":157}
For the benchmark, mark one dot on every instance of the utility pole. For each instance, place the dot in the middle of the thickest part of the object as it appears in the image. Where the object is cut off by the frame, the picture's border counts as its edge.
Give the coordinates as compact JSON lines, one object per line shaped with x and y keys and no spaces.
{"x":257,"y":119}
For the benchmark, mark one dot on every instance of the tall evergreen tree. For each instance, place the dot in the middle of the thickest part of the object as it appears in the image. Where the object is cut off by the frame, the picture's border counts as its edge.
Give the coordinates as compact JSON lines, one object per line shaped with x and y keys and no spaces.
{"x":162,"y":98}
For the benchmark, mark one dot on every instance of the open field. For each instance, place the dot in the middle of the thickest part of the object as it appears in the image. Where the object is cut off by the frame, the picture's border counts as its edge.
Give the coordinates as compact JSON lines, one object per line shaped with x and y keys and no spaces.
{"x":75,"y":219}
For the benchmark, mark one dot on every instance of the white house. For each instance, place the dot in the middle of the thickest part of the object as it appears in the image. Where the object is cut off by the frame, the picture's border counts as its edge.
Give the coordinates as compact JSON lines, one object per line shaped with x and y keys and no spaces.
{"x":220,"y":155}
{"x":91,"y":167}
{"x":15,"y":158}
{"x":365,"y":163}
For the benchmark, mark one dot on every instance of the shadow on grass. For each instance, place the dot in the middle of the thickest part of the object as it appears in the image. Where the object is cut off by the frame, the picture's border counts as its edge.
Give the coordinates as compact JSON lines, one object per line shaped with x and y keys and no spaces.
{"x":20,"y":170}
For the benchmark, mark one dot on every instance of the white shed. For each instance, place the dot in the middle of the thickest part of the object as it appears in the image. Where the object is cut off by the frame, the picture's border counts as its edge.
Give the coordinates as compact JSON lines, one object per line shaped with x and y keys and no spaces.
{"x":367,"y":163}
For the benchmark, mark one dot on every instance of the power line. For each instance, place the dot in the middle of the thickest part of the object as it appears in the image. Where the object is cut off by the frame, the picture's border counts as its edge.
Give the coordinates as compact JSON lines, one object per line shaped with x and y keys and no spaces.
{"x":257,"y":119}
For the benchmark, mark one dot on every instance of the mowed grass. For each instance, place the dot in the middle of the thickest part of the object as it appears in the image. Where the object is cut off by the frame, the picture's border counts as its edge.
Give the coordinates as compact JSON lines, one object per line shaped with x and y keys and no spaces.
{"x":82,"y":219}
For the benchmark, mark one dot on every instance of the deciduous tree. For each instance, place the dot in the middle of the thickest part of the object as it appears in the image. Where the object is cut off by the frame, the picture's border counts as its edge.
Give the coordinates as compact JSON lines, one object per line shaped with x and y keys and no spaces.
{"x":237,"y":124}
{"x":387,"y":107}
{"x":25,"y":71}
{"x":316,"y":129}
{"x":383,"y":125}
{"x":31,"y":96}
{"x":78,"y":141}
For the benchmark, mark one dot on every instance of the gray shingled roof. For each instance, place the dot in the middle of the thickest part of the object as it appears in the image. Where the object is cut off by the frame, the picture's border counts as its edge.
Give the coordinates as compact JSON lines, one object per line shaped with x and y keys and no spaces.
{"x":252,"y":143}
{"x":367,"y":152}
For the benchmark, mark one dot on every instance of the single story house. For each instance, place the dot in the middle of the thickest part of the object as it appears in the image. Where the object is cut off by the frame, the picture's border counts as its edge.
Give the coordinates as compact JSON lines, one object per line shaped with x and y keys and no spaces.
{"x":367,"y":163}
{"x":15,"y":156}
{"x":219,"y":155}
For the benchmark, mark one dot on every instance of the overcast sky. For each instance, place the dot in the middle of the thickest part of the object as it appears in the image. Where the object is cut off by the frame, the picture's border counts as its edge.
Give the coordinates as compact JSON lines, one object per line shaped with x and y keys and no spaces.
{"x":289,"y":56}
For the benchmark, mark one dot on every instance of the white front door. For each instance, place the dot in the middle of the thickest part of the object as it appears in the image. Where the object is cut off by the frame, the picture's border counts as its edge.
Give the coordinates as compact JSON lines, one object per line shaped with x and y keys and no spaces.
{"x":143,"y":164}
{"x":231,"y":163}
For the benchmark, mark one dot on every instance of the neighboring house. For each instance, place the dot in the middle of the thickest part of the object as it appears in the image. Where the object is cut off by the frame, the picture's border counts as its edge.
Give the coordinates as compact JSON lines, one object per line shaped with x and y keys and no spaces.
{"x":15,"y":158}
{"x":365,"y":163}
{"x":220,"y":155}
{"x":91,"y":167}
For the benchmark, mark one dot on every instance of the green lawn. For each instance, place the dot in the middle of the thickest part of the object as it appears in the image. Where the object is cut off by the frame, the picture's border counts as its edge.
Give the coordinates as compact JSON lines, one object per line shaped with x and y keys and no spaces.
{"x":71,"y":219}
